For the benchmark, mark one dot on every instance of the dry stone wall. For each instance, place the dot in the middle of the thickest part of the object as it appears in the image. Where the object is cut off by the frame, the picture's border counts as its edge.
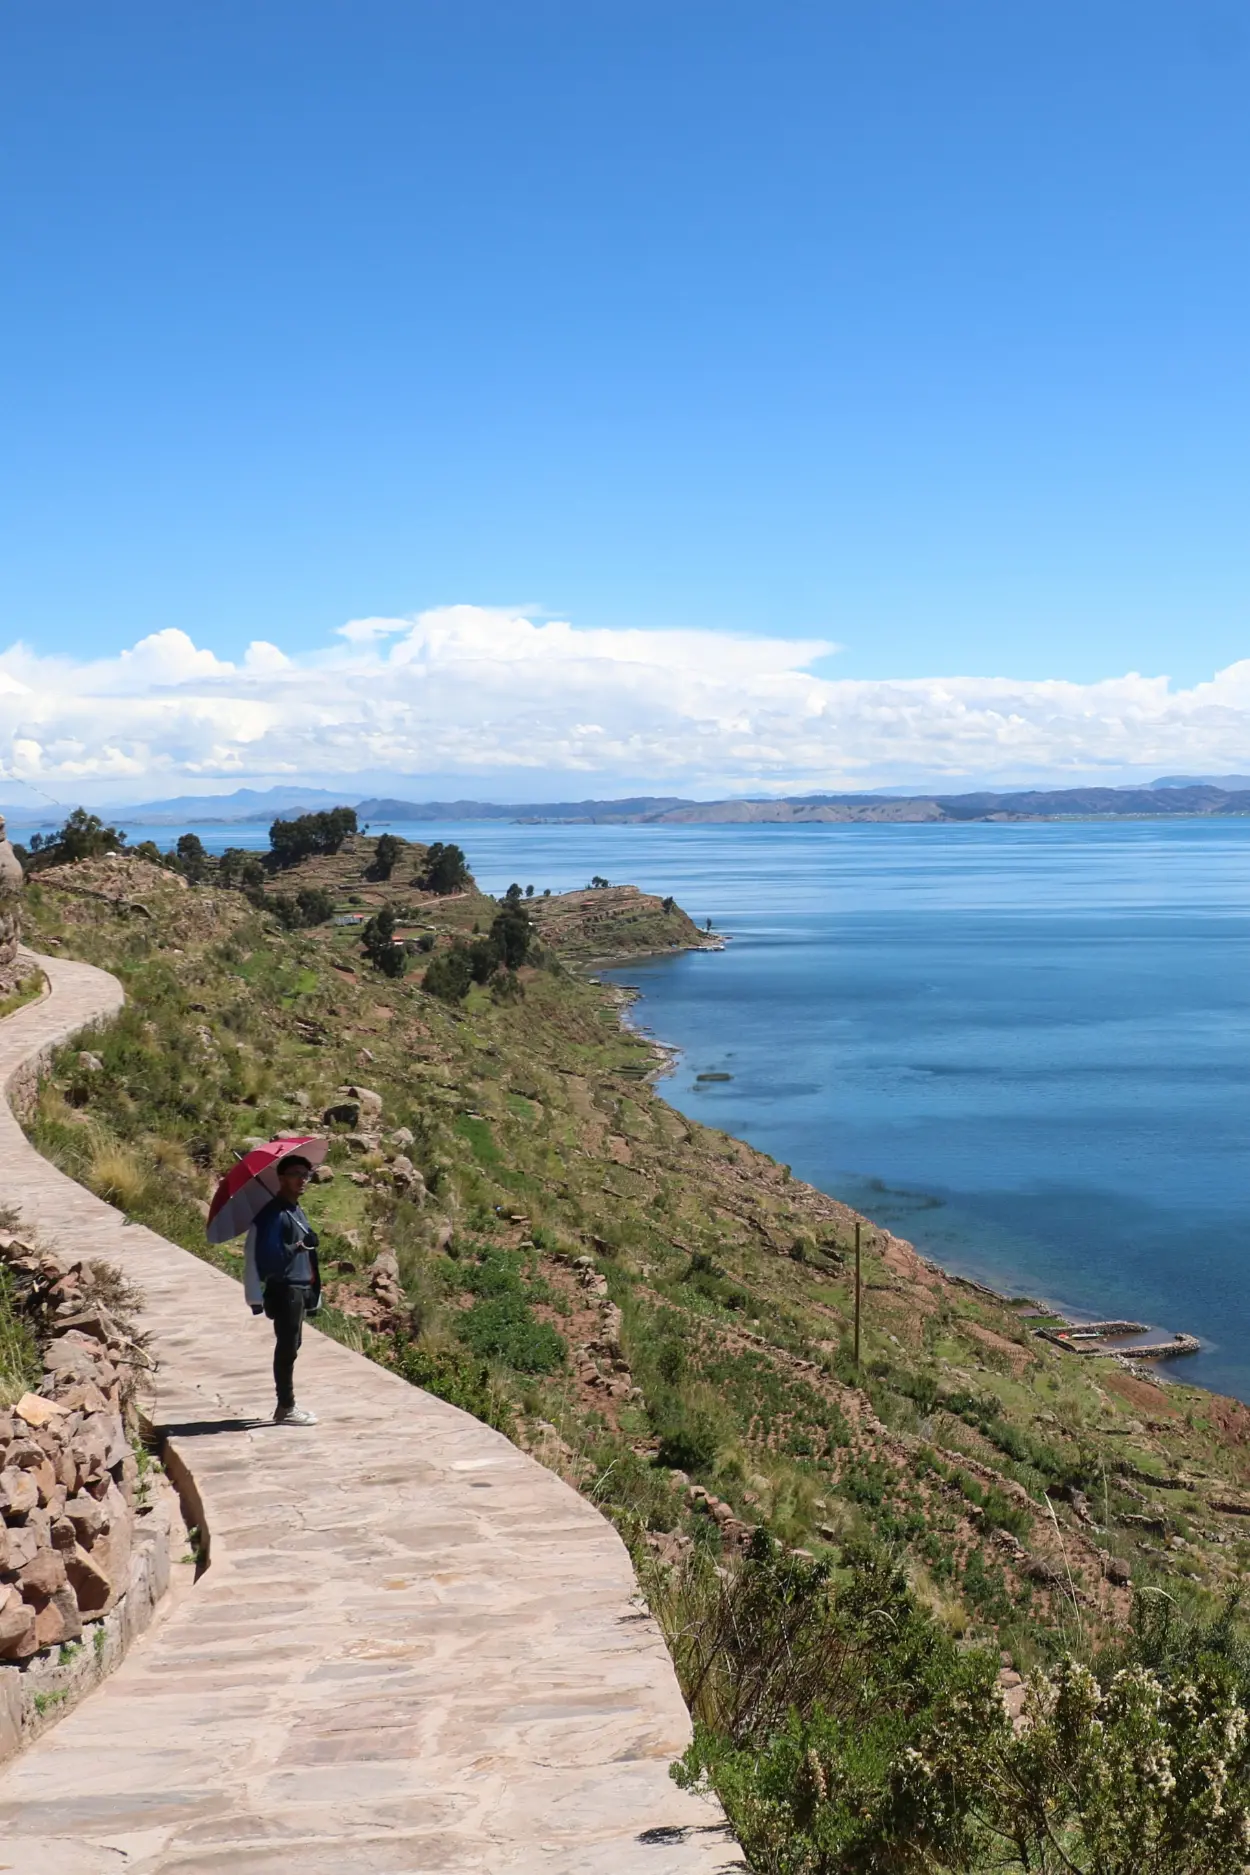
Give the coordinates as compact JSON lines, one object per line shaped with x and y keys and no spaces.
{"x":10,"y":924}
{"x":71,"y":1493}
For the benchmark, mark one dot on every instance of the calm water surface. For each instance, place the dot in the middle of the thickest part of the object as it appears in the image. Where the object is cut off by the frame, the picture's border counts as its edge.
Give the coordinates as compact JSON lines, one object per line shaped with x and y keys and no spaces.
{"x":1025,"y":1048}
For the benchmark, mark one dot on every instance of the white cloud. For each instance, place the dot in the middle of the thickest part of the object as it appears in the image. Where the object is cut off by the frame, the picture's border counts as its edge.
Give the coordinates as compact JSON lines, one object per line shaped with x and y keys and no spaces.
{"x":478,"y":691}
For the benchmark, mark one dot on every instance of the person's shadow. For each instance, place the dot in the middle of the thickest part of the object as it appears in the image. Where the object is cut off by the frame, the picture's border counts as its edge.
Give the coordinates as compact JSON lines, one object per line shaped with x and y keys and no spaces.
{"x":202,"y":1428}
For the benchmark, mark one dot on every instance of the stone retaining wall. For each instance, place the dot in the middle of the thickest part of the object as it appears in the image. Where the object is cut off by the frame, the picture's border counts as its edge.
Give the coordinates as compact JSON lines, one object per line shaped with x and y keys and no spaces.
{"x":84,"y":1537}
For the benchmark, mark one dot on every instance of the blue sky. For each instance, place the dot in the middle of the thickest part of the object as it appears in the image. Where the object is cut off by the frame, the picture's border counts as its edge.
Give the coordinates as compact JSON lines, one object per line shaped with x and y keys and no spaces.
{"x":916,"y":329}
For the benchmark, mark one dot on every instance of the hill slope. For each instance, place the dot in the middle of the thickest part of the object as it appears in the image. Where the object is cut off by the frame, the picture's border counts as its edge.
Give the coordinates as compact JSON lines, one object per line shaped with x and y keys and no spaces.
{"x":516,"y":1219}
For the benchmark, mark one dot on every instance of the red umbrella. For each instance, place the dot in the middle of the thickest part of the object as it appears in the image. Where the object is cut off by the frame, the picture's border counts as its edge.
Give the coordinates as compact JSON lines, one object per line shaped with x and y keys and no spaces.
{"x":249,"y":1185}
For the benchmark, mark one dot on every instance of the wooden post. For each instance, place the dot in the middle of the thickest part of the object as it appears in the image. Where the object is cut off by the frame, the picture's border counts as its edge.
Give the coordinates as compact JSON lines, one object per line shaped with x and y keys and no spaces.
{"x":858,"y":1273}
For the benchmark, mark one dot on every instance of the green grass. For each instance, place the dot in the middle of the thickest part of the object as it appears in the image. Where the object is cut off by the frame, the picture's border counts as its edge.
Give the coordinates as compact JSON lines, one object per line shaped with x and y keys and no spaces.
{"x":29,"y":990}
{"x":19,"y":1356}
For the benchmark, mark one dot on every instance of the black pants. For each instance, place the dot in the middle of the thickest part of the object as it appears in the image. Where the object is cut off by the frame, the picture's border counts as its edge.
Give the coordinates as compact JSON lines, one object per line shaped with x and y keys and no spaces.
{"x":285,"y":1305}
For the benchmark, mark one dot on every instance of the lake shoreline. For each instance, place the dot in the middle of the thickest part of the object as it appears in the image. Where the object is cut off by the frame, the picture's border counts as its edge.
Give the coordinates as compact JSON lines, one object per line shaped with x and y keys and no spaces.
{"x":1149,"y":1367}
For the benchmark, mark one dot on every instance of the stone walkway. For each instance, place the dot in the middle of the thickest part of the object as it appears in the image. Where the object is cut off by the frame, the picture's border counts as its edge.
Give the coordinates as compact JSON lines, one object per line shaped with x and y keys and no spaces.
{"x":414,"y":1649}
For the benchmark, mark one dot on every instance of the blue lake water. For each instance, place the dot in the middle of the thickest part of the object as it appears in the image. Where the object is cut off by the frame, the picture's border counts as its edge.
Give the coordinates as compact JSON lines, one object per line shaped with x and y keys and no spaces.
{"x":1026,"y":1048}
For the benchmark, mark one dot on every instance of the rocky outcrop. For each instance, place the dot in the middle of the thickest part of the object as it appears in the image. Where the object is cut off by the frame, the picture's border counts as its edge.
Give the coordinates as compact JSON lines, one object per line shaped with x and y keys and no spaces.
{"x":10,"y":899}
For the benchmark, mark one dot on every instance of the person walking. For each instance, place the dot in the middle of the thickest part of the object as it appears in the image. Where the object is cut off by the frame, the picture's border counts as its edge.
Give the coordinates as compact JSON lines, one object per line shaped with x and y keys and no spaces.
{"x":282,"y":1279}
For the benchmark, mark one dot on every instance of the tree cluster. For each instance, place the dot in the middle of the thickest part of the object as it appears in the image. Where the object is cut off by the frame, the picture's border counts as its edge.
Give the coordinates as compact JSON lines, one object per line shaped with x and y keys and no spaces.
{"x":445,"y":870}
{"x":494,"y":958}
{"x":311,"y":905}
{"x":83,"y":836}
{"x":386,"y":855}
{"x":380,"y":944}
{"x":309,"y":835}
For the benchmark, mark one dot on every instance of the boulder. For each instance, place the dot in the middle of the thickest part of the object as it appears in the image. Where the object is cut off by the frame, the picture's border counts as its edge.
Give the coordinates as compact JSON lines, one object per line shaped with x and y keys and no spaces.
{"x":88,"y":1517}
{"x":64,"y":1536}
{"x":84,"y":1397}
{"x":406,"y":1176}
{"x":44,"y":1574}
{"x":402,"y":1137}
{"x":58,"y":1620}
{"x":93,"y":1589}
{"x":71,"y":1357}
{"x":89,"y":1063}
{"x":26,"y":1454}
{"x":342,"y":1113}
{"x":23,"y":1547}
{"x":44,"y":1474}
{"x":36,"y":1411}
{"x":17,"y":1632}
{"x":118,"y":1448}
{"x":19,"y":1492}
{"x":111,"y":1550}
{"x":370,"y":1103}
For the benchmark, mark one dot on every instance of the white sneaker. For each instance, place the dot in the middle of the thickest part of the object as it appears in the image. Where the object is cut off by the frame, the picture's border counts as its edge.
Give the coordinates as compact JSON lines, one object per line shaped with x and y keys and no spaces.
{"x":293,"y":1416}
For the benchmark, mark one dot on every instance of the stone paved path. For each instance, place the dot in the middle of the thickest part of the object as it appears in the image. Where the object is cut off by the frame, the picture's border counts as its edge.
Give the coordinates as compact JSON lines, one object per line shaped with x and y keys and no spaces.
{"x":414,"y":1649}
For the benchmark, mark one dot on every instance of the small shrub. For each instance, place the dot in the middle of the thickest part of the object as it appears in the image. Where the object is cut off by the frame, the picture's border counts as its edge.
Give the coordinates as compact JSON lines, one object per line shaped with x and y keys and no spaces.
{"x":689,"y":1434}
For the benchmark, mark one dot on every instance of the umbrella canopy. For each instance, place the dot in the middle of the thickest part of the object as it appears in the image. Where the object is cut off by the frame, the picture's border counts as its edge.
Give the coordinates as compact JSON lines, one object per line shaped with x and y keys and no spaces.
{"x":249,"y":1185}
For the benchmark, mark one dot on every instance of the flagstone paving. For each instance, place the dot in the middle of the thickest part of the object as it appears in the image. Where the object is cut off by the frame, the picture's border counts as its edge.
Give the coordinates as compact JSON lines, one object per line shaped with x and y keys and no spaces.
{"x":413,"y":1650}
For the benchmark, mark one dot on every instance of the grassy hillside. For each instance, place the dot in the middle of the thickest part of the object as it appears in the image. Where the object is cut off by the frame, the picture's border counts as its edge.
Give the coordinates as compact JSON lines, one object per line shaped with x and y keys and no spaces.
{"x":655,"y":1310}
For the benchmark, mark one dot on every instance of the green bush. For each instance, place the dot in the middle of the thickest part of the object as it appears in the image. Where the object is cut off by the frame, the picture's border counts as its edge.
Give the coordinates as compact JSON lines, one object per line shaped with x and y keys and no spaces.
{"x":455,"y":1376}
{"x":501,"y":1323}
{"x":506,"y":1328}
{"x":690,"y":1437}
{"x":449,"y":974}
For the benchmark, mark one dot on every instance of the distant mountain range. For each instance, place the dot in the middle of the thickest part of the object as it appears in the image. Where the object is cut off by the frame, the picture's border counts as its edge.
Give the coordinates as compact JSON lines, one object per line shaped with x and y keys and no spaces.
{"x":1171,"y":797}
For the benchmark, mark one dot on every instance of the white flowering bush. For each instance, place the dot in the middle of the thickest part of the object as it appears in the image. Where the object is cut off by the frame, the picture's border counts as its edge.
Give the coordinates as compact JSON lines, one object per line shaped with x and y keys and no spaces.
{"x":1137,"y":1778}
{"x":895,"y":1755}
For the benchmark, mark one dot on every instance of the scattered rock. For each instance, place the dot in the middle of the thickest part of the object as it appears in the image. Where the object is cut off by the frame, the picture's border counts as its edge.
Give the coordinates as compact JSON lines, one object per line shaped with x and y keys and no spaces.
{"x":89,"y":1063}
{"x":342,"y":1113}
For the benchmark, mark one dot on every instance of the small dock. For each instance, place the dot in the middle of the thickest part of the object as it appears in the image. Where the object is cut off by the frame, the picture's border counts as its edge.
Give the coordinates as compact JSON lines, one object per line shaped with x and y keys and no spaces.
{"x":1097,"y":1337}
{"x":1163,"y":1350}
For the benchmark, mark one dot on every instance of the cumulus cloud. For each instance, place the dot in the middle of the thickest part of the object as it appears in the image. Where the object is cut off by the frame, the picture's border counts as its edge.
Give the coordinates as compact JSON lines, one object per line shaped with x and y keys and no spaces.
{"x":478,"y":691}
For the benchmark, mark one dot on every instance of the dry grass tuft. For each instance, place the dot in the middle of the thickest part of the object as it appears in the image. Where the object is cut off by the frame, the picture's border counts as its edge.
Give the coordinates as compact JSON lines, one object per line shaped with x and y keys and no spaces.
{"x":116,"y":1173}
{"x":169,"y":1155}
